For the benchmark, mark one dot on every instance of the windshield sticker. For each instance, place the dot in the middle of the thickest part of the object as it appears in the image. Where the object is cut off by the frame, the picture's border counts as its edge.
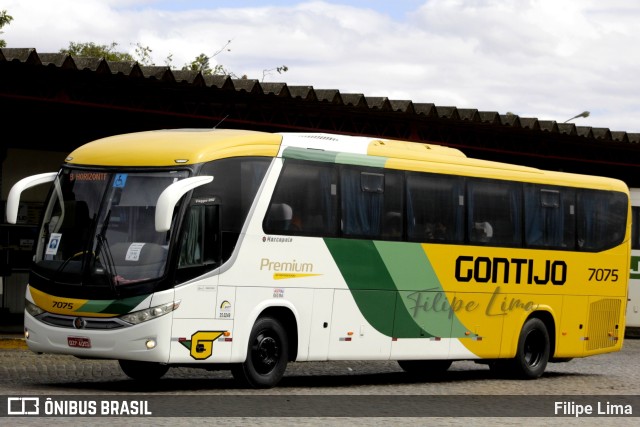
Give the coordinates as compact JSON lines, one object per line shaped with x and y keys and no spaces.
{"x":54,"y":244}
{"x":133,"y":253}
{"x":120,"y":180}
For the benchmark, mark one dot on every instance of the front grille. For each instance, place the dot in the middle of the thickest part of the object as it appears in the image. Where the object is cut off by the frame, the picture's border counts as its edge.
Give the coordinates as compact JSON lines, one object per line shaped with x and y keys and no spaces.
{"x":88,"y":323}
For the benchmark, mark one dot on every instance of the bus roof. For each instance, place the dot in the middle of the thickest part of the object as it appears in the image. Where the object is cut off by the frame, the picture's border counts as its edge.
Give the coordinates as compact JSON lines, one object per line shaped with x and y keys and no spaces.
{"x":191,"y":146}
{"x":174,"y":147}
{"x":413,"y":156}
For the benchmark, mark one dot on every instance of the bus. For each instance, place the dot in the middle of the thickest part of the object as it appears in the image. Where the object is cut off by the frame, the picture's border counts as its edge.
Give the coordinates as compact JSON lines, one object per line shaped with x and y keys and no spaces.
{"x":247,"y":251}
{"x":633,"y":305}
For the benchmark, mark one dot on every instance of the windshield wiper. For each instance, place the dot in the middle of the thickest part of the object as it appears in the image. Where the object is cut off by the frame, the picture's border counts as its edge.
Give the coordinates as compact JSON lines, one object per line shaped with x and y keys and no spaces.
{"x":103,"y":246}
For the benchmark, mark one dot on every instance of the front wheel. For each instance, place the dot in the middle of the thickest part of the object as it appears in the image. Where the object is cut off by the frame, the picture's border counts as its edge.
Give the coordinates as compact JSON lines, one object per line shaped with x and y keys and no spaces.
{"x":533,"y":351}
{"x":143,"y":370}
{"x":267,"y":355}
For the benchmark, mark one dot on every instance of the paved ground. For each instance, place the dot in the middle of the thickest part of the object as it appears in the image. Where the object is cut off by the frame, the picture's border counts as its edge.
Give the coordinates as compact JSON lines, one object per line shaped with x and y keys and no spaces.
{"x":25,"y":373}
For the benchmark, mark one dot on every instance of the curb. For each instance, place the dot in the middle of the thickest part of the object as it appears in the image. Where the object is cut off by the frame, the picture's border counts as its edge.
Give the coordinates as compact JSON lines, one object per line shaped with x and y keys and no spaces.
{"x":10,"y":343}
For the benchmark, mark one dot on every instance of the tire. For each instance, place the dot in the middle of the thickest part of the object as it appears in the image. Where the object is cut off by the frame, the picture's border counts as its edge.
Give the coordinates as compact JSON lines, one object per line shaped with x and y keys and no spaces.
{"x":267,"y":355}
{"x":143,"y":370}
{"x":533,"y":351}
{"x":425,"y":368}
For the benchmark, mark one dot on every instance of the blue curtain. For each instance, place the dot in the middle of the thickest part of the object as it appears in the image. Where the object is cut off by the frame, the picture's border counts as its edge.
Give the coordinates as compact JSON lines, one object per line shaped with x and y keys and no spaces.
{"x":361,"y":210}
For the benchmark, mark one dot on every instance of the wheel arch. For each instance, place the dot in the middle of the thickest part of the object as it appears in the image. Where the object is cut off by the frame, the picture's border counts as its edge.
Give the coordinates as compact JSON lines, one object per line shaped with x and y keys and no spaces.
{"x":288,"y":320}
{"x":280,"y":309}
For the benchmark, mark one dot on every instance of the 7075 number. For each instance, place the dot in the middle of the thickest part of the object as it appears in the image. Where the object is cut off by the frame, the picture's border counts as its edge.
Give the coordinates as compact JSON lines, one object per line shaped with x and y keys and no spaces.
{"x":603,"y":274}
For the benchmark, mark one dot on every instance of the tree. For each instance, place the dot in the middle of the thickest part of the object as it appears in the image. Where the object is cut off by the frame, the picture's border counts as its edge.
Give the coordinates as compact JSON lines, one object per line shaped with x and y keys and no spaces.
{"x":201,"y":63}
{"x":280,"y":70}
{"x":5,"y":19}
{"x":143,"y":56}
{"x":93,"y":50}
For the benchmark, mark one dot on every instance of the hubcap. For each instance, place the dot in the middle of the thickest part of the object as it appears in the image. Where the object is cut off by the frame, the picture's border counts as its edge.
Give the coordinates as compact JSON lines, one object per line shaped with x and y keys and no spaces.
{"x":533,"y":348}
{"x":265,"y":353}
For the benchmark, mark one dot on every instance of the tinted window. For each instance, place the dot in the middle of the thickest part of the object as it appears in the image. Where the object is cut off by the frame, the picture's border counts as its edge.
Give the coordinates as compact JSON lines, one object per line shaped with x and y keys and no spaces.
{"x":635,"y":230}
{"x":601,"y":219}
{"x":550,"y":219}
{"x":374,"y":204}
{"x":234,"y":187}
{"x":371,"y":203}
{"x":435,"y":208}
{"x":305,"y":200}
{"x":494,"y":213}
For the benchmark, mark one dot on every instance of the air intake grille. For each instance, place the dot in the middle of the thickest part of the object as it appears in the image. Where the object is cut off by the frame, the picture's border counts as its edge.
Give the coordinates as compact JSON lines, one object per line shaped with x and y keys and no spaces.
{"x":604,"y":316}
{"x":87,"y":323}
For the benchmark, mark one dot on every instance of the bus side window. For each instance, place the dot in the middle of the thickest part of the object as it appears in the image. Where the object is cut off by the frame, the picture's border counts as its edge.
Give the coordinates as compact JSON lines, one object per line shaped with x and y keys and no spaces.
{"x":235,"y":185}
{"x":497,"y":203}
{"x":371,"y":203}
{"x":200,"y":245}
{"x":393,"y":220}
{"x":304,"y":200}
{"x":549,"y":215}
{"x":601,"y":215}
{"x":635,"y":227}
{"x":279,"y":216}
{"x":435,"y":208}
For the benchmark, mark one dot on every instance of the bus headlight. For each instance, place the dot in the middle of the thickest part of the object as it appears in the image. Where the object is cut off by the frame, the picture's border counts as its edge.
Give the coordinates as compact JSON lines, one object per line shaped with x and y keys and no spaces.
{"x":150,"y":313}
{"x":32,"y":309}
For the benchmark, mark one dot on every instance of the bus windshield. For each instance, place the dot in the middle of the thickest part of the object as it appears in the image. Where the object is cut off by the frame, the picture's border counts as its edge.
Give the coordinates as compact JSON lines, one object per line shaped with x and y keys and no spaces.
{"x":98,"y":228}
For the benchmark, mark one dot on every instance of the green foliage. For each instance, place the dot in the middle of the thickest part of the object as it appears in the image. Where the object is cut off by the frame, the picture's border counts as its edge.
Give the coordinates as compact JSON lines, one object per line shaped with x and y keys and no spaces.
{"x":5,"y":19}
{"x":142,"y":55}
{"x":93,"y":50}
{"x":200,"y":63}
{"x":280,"y":70}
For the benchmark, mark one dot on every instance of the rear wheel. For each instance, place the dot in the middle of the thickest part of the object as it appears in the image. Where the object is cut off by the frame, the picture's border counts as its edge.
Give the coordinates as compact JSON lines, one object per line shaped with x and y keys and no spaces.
{"x":143,"y":370}
{"x":532,"y":354}
{"x":267,"y":355}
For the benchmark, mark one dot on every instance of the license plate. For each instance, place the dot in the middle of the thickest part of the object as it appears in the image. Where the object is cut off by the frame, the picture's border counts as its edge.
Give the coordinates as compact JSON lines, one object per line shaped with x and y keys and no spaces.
{"x":79,"y":342}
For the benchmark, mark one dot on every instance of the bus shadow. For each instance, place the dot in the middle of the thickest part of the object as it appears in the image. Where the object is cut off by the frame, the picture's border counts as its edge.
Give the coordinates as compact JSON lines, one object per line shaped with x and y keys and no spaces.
{"x":309,"y":382}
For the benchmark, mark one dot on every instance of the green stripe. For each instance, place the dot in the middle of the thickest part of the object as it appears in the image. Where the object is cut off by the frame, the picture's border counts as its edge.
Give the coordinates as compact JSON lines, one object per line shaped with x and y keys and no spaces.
{"x":395,"y":288}
{"x":635,"y":263}
{"x":308,"y":154}
{"x":333,"y":157}
{"x":369,"y":281}
{"x":361,"y":160}
{"x":422,"y":304}
{"x":116,"y":306}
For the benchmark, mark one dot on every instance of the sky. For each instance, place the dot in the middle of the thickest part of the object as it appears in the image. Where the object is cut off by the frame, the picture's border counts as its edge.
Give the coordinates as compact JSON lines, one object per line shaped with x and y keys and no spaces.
{"x":548,"y":59}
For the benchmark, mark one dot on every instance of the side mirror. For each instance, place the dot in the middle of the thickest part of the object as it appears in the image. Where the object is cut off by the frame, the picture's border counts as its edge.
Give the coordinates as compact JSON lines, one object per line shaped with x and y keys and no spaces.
{"x":170,"y":196}
{"x":13,"y":201}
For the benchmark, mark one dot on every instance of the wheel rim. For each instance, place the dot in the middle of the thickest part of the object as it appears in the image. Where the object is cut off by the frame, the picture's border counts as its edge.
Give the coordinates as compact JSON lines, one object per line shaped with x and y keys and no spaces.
{"x":534,"y":348}
{"x":265,"y":352}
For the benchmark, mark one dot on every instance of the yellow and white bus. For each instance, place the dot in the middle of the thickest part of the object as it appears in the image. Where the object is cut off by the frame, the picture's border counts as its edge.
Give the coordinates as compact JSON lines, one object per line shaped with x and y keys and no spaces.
{"x":633,"y":306}
{"x":248,"y":250}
